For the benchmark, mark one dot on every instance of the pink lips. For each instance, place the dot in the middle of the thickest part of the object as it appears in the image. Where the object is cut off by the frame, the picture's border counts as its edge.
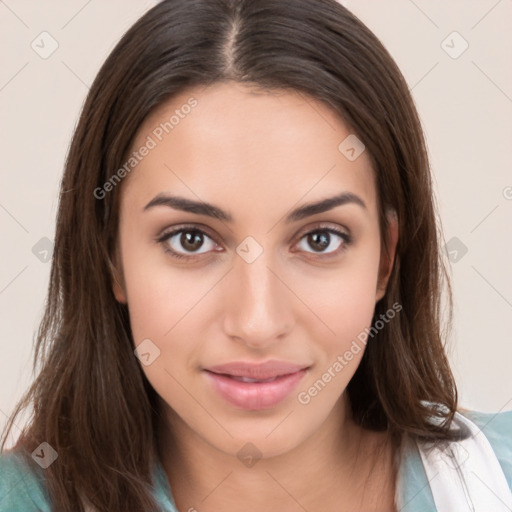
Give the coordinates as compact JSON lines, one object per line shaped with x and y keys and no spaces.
{"x":255,"y":386}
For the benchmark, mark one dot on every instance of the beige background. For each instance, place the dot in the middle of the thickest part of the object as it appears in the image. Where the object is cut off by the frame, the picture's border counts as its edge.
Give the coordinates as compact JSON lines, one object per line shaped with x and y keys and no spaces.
{"x":465,"y":104}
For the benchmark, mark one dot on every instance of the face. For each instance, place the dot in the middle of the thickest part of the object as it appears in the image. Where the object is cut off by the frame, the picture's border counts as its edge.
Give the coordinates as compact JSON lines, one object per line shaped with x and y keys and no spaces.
{"x":240,"y":307}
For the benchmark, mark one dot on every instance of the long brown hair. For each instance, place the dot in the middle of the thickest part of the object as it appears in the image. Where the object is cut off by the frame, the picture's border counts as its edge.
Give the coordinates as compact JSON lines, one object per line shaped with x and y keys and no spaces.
{"x":91,"y":401}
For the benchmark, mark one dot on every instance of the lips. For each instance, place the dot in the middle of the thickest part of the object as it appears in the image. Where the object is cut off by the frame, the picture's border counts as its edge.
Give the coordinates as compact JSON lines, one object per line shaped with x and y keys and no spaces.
{"x":258,"y":371}
{"x":255,"y":386}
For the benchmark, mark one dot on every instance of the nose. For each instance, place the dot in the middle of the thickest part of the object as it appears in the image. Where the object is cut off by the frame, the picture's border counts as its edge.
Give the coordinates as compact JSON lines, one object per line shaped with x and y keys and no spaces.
{"x":258,"y":306}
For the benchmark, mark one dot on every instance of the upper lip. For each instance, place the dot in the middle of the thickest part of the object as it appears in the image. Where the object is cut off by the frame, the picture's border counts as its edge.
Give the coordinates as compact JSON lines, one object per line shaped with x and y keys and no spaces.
{"x":265,"y":370}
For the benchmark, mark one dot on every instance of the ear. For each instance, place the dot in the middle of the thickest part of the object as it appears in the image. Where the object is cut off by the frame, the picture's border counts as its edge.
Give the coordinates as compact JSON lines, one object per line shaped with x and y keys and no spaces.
{"x":118,"y":285}
{"x":387,"y":258}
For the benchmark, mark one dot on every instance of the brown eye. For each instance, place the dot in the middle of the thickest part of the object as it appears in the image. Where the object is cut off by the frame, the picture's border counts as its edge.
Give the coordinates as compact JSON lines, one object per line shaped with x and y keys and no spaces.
{"x":322,"y":239}
{"x":319,"y":240}
{"x":191,"y":240}
{"x":185,"y":242}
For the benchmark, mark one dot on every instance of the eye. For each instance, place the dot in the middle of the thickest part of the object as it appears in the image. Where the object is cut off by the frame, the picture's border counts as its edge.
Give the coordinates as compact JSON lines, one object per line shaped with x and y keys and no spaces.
{"x":324,"y":238}
{"x":186,"y":242}
{"x":189,"y":241}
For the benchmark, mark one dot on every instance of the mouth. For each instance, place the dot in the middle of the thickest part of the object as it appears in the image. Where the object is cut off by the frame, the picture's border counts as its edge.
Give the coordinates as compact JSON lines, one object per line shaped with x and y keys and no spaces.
{"x":252,"y":386}
{"x":248,"y":379}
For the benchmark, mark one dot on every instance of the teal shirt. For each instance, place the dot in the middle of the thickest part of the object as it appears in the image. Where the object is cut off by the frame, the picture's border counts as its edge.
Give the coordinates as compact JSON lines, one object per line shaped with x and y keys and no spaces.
{"x":22,"y":487}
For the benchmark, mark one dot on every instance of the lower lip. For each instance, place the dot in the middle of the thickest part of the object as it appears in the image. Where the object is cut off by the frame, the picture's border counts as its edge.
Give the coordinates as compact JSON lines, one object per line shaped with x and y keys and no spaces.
{"x":255,"y":395}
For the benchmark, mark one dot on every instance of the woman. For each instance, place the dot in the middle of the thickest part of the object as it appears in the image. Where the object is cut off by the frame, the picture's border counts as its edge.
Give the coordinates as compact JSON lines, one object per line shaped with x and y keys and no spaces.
{"x":244,"y":306}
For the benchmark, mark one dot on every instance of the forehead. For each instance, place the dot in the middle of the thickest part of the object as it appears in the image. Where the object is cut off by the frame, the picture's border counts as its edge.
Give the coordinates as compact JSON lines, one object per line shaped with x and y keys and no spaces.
{"x":235,"y":142}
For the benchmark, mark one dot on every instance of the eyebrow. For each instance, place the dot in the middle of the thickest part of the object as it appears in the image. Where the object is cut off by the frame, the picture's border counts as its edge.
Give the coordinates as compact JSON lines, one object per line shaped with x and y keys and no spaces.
{"x":210,"y":210}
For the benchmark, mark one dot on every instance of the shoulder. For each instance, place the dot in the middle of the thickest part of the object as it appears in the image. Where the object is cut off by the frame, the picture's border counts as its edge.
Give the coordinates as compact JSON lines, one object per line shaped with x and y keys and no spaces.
{"x":497,"y":428}
{"x":413,"y":491}
{"x":21,"y":485}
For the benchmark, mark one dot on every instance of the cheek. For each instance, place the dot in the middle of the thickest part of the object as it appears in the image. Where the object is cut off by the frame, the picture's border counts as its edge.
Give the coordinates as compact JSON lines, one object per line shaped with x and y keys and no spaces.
{"x":161,"y":307}
{"x":343,"y":301}
{"x":166,"y":306}
{"x":339,"y":349}
{"x":342,"y":298}
{"x":148,"y":303}
{"x":158,"y":293}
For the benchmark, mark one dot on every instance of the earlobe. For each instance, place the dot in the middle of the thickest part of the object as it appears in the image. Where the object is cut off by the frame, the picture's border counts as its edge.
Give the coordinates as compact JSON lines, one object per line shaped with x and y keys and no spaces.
{"x":387,"y":259}
{"x":118,"y":287}
{"x":119,"y":293}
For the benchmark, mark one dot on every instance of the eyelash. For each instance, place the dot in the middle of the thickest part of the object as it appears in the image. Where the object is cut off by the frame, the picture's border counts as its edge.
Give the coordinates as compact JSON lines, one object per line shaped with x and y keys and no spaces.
{"x":347,"y":240}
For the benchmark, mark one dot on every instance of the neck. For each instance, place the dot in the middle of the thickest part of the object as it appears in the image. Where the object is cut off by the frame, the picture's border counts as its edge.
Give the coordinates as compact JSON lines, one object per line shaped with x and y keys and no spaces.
{"x":335,"y":463}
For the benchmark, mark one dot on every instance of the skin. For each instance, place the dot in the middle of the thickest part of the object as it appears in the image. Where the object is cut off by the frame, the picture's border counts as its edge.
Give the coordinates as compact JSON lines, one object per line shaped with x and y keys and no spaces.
{"x":257,"y":155}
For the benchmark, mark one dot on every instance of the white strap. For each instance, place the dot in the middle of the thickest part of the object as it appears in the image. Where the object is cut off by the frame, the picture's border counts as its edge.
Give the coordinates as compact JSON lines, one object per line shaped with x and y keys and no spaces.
{"x":466,"y":476}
